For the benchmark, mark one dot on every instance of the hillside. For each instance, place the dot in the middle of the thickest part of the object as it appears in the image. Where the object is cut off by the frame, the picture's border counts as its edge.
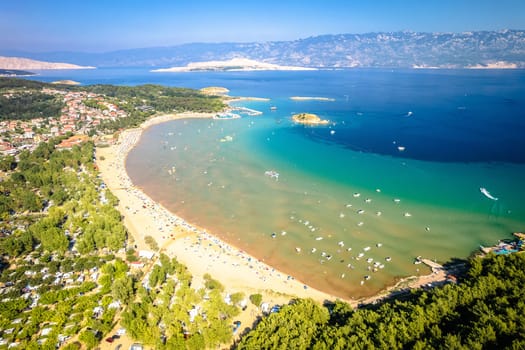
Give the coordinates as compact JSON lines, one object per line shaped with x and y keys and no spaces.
{"x":19,"y":63}
{"x":497,"y":49}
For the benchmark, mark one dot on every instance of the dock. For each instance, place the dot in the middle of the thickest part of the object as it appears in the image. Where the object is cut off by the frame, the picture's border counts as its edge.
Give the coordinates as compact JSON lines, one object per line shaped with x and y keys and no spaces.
{"x":433,"y":265}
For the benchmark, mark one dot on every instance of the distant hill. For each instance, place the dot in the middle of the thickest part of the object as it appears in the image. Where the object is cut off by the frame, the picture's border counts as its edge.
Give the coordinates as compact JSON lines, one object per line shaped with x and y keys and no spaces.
{"x":19,"y":63}
{"x":491,"y":49}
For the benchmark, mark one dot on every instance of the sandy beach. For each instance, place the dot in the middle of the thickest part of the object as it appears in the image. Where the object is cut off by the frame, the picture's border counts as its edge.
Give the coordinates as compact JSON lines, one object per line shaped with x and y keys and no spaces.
{"x":200,"y":251}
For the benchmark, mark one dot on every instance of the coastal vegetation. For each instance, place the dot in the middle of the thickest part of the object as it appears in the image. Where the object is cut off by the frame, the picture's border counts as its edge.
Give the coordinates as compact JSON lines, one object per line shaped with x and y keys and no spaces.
{"x":482,"y":311}
{"x":59,"y":235}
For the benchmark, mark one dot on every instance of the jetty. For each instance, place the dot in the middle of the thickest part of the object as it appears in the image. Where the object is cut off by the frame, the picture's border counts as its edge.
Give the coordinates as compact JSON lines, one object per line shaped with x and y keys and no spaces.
{"x":433,"y":265}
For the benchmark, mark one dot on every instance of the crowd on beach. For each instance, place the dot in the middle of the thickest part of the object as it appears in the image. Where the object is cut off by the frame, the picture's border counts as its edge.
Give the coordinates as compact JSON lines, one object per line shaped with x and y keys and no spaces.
{"x":190,"y":244}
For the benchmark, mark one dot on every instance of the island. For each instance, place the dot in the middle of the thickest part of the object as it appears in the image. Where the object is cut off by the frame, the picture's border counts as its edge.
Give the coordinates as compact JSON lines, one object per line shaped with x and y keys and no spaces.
{"x":65,"y":82}
{"x":214,"y":90}
{"x":235,"y":64}
{"x":307,"y":98}
{"x":309,"y":118}
{"x":14,"y":73}
{"x":20,"y":63}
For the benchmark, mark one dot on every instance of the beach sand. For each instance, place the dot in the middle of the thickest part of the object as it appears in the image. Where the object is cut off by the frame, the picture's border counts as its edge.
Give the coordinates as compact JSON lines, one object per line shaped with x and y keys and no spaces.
{"x":199,"y":250}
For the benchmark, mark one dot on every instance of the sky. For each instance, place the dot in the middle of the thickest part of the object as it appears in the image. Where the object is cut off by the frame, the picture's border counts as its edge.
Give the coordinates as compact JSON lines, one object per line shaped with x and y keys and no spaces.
{"x":107,"y":25}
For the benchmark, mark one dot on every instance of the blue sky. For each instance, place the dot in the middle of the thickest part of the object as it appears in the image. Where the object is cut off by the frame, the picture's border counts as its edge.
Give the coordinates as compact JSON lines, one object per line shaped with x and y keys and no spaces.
{"x":105,"y":25}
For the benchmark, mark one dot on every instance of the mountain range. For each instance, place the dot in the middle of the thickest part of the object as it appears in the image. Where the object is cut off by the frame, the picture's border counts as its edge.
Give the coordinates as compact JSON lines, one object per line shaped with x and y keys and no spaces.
{"x":480,"y":49}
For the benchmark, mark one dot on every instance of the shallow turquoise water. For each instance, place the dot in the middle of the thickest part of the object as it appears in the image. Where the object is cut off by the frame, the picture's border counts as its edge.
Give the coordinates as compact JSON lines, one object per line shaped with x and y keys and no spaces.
{"x":221,"y":186}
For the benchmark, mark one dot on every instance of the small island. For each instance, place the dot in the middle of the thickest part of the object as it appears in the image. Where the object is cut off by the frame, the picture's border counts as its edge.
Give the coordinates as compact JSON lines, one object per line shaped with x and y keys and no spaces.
{"x":215,"y":90}
{"x":309,"y":118}
{"x":65,"y":82}
{"x":14,"y":73}
{"x":307,"y":98}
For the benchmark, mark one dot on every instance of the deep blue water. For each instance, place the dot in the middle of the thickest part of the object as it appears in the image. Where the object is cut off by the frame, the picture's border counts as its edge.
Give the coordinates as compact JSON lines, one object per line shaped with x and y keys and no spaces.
{"x":436,"y":115}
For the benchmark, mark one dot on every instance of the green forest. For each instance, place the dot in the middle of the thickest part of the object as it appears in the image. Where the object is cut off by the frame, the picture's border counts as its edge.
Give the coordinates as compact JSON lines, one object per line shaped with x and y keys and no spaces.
{"x":30,"y":105}
{"x":483,"y":311}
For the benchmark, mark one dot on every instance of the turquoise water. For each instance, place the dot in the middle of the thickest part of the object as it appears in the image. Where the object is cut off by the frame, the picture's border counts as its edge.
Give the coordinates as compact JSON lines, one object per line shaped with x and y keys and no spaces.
{"x":221,"y":186}
{"x":460,"y":129}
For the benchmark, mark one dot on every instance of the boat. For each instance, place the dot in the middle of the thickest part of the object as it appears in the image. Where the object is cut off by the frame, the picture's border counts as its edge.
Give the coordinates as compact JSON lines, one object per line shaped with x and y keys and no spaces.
{"x":297,"y":249}
{"x":332,"y":132}
{"x":366,"y":249}
{"x":227,"y":138}
{"x":273,"y":108}
{"x":407,"y":214}
{"x":357,"y":194}
{"x":487,"y":193}
{"x":319,"y":238}
{"x":401,"y":148}
{"x":272,"y":174}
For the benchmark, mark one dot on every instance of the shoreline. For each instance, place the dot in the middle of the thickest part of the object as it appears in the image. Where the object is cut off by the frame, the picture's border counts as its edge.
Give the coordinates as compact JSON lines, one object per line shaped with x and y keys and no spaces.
{"x":198,"y":249}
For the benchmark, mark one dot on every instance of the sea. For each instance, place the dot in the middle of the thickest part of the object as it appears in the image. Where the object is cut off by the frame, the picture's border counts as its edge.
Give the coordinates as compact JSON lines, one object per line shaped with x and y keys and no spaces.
{"x":395,"y":175}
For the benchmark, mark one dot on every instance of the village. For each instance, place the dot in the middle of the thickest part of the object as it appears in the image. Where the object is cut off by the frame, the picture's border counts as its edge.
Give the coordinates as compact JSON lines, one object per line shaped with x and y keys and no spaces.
{"x":82,"y":113}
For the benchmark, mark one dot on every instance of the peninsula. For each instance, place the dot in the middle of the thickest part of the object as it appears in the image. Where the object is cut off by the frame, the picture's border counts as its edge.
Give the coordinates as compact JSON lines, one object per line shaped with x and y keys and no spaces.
{"x":309,"y":118}
{"x":19,"y":63}
{"x":235,"y":64}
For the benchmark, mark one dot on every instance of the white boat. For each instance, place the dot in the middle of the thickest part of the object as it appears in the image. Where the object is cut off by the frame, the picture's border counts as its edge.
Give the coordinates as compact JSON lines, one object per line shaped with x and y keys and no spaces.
{"x":272,"y":173}
{"x":487,"y":193}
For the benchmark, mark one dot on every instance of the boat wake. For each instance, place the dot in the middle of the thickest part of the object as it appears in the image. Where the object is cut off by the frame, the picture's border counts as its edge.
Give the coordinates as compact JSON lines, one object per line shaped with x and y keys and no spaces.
{"x":487,"y":193}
